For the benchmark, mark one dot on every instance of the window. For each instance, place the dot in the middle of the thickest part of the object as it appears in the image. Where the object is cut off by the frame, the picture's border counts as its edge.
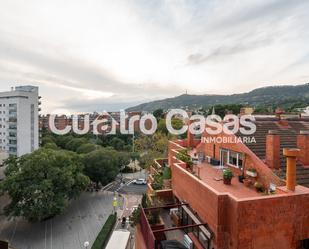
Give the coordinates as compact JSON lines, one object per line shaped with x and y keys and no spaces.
{"x":231,"y":158}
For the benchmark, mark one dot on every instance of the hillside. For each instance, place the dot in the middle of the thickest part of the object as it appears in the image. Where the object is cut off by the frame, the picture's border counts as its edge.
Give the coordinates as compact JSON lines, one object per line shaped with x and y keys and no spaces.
{"x":285,"y":96}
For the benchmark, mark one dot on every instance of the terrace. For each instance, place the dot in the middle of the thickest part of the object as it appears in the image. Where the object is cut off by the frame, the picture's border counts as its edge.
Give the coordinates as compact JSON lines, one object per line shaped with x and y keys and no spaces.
{"x":211,"y":175}
{"x":173,"y":224}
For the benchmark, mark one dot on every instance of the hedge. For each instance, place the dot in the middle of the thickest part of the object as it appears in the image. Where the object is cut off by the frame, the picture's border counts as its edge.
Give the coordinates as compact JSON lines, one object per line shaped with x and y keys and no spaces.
{"x":105,"y":233}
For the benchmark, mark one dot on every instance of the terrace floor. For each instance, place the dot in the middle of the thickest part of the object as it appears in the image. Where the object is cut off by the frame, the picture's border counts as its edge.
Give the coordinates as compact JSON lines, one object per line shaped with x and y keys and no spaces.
{"x":213,"y":177}
{"x":171,"y":235}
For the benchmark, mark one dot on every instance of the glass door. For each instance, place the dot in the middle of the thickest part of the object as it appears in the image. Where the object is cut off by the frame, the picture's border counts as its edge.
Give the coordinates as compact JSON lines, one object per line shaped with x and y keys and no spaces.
{"x":224,"y":157}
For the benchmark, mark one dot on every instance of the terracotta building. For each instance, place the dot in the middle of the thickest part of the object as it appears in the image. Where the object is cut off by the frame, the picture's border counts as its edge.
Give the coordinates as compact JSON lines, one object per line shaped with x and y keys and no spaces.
{"x":265,"y":207}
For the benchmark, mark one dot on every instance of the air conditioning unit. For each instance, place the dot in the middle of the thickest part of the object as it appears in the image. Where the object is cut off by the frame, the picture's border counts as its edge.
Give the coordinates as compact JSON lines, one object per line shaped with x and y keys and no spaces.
{"x":187,"y":242}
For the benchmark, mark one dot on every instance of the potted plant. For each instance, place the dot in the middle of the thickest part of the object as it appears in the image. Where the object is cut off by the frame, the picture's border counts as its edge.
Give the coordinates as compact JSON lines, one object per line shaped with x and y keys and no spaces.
{"x":184,"y":157}
{"x":227,"y":176}
{"x":259,"y":187}
{"x":167,"y":175}
{"x":241,"y":178}
{"x":251,"y":172}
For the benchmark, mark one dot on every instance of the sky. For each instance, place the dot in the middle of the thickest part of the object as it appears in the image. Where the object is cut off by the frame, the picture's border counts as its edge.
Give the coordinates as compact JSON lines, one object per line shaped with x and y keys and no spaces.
{"x":95,"y":55}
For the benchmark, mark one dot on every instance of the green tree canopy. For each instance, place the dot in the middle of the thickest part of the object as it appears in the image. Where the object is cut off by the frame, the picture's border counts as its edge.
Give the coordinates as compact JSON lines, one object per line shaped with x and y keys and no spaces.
{"x":102,"y":165}
{"x":41,"y":184}
{"x":158,"y":113}
{"x":75,"y":143}
{"x":151,"y":147}
{"x":86,"y":148}
{"x":117,"y":143}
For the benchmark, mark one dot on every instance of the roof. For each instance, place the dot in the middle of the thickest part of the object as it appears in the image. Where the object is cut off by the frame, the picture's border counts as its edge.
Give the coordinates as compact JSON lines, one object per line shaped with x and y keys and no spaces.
{"x":288,"y":139}
{"x":119,"y":239}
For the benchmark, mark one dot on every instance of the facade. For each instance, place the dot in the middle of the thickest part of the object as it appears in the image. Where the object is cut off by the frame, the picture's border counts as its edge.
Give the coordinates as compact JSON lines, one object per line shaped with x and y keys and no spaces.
{"x":263,"y":208}
{"x":19,"y":131}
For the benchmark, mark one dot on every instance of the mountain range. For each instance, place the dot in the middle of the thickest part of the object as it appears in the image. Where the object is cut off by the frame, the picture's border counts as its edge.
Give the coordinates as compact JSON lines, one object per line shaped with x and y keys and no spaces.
{"x":273,"y":96}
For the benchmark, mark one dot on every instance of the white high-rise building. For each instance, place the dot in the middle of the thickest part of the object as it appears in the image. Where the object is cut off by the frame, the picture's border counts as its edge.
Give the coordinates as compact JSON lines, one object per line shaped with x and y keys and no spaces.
{"x":19,"y":120}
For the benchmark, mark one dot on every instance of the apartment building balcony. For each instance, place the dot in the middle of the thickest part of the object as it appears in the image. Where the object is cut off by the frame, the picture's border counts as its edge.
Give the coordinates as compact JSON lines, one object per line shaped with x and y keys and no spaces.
{"x":12,"y":129}
{"x":174,"y":225}
{"x":12,"y":114}
{"x":12,"y":136}
{"x":13,"y":107}
{"x":12,"y":145}
{"x":12,"y":120}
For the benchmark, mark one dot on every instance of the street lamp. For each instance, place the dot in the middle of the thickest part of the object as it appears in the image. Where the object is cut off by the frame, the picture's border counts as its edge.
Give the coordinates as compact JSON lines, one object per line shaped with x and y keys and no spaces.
{"x":86,"y":244}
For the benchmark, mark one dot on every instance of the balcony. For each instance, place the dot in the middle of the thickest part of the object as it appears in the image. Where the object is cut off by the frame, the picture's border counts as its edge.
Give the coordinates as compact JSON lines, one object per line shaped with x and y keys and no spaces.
{"x":12,"y":138}
{"x":13,"y":107}
{"x":12,"y":145}
{"x":12,"y":114}
{"x":160,"y":175}
{"x":12,"y":129}
{"x":173,"y":224}
{"x":12,"y":120}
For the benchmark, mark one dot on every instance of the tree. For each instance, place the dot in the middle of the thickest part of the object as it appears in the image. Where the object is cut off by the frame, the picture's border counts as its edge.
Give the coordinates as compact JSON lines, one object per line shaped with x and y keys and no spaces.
{"x":177,"y":124}
{"x":52,"y":146}
{"x":222,"y":110}
{"x":102,"y":166}
{"x":123,"y":159}
{"x":117,"y":143}
{"x":42,"y":183}
{"x":61,"y":141}
{"x":48,"y":139}
{"x":158,"y":113}
{"x":151,"y":147}
{"x":75,"y":143}
{"x":87,"y":148}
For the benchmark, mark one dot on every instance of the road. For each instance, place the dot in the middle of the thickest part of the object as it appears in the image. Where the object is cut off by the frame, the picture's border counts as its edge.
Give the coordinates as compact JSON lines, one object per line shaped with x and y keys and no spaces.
{"x":126,"y":186}
{"x":82,"y":222}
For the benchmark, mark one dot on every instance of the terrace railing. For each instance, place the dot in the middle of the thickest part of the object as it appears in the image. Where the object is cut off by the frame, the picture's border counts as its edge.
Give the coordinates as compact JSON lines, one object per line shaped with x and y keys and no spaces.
{"x":147,"y":233}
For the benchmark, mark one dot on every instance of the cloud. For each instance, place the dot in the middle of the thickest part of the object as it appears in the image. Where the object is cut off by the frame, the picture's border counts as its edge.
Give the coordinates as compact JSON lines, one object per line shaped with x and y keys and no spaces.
{"x":90,"y":54}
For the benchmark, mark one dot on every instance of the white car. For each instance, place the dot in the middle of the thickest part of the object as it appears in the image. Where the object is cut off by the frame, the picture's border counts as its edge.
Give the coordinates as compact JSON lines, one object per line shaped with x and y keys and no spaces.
{"x":140,"y":181}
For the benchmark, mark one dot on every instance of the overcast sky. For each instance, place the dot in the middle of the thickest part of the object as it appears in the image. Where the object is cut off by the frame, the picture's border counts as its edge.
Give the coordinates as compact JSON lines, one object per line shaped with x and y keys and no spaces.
{"x":98,"y":54}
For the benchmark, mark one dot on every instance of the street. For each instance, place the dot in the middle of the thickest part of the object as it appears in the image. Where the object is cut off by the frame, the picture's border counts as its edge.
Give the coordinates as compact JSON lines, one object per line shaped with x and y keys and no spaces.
{"x":82,"y":222}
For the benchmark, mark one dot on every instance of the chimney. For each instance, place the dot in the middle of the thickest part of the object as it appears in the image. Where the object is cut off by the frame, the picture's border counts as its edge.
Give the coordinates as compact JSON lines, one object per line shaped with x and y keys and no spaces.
{"x":291,"y":155}
{"x":273,"y":149}
{"x":303,"y":145}
{"x":190,"y":136}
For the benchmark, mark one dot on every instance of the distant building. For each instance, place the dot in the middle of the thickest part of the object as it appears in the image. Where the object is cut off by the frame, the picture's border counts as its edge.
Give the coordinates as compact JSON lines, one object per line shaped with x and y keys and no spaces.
{"x":246,"y":111}
{"x":19,"y":131}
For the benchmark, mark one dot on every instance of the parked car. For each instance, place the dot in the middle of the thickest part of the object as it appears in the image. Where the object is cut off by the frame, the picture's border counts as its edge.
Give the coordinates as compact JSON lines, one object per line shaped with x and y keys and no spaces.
{"x":140,"y":181}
